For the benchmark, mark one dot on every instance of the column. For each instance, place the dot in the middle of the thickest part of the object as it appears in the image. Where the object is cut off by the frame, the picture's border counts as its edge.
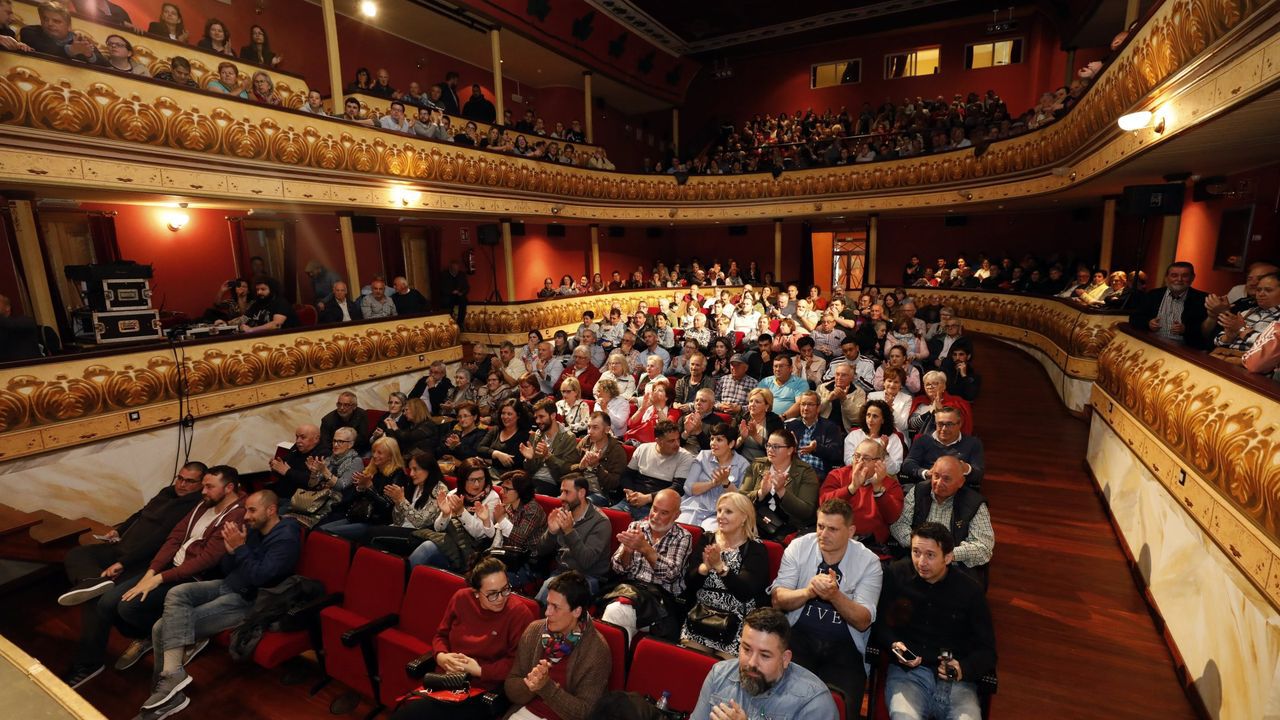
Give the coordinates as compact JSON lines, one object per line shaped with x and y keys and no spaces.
{"x":349,"y":253}
{"x":675,"y":131}
{"x":331,"y":43}
{"x":777,"y":251}
{"x":499,"y":103}
{"x":587,"y":126}
{"x":1108,"y":233}
{"x":1071,"y":67}
{"x":873,"y":240}
{"x":1130,"y":13}
{"x":595,"y":248}
{"x":510,"y":266}
{"x":29,"y":250}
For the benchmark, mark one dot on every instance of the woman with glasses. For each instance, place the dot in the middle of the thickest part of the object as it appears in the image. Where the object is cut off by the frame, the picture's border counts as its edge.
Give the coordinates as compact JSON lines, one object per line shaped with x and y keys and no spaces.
{"x":520,"y":522}
{"x":463,"y":440}
{"x":491,"y":395}
{"x":876,"y":424}
{"x":120,"y":57}
{"x":330,"y":481}
{"x":413,"y":508}
{"x":728,"y":576}
{"x":617,"y":369}
{"x":571,"y":408}
{"x":478,"y":636}
{"x":464,"y":523}
{"x":783,"y":489}
{"x":934,"y":398}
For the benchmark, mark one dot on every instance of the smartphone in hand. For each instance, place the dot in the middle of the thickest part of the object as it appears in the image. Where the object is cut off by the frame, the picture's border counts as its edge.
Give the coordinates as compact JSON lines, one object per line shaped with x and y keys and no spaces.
{"x":905,"y":655}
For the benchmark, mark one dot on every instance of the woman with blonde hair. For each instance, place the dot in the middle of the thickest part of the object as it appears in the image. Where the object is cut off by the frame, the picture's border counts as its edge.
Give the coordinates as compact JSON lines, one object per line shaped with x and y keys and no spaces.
{"x":729,"y":577}
{"x":369,"y":505}
{"x":416,"y":430}
{"x":756,"y":422}
{"x":617,"y":369}
{"x":571,"y":408}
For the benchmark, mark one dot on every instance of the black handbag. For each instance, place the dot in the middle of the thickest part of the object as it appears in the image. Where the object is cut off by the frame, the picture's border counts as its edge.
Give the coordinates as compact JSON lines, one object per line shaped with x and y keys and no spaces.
{"x":771,"y":524}
{"x":713,"y":624}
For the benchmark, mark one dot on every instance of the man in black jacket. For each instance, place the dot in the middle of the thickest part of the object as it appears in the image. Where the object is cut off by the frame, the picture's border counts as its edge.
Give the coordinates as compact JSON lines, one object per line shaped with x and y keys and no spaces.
{"x":347,"y":413}
{"x":946,"y":439}
{"x":1175,"y":312}
{"x":54,"y":36}
{"x":454,"y":287}
{"x":94,"y":569}
{"x":478,"y":108}
{"x":340,"y":307}
{"x":290,"y":469}
{"x":261,"y":554}
{"x":407,"y":299}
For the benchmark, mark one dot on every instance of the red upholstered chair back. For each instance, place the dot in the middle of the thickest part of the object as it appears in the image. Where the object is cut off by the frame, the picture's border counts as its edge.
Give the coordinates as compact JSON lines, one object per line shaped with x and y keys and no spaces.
{"x":547,"y":502}
{"x":528,"y":602}
{"x":307,"y":315}
{"x":616,"y":637}
{"x":375,"y":418}
{"x":619,"y":521}
{"x":695,"y":531}
{"x":375,"y":584}
{"x":426,"y":599}
{"x":326,"y":558}
{"x":775,"y":558}
{"x":658,"y":667}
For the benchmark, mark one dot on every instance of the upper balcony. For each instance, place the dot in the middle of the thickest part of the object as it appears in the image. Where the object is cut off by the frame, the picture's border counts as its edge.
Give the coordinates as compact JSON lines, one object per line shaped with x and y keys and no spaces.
{"x":67,"y":126}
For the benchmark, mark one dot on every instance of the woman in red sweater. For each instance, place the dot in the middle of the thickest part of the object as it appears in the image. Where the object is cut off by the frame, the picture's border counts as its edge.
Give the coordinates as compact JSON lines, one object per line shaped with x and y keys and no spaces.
{"x":874,"y":495}
{"x":478,"y":636}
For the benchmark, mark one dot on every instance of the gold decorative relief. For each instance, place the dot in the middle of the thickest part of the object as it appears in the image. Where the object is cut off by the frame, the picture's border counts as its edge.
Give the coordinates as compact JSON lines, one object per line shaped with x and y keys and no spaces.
{"x":1228,"y":433}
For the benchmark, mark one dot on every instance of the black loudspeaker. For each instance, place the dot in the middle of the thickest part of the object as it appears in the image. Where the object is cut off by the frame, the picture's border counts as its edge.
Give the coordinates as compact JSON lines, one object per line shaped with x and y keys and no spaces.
{"x":364,"y":224}
{"x":737,"y":230}
{"x":1153,"y":199}
{"x":488,"y":234}
{"x":1080,"y":214}
{"x":653,"y":232}
{"x":617,"y":231}
{"x":957,"y":220}
{"x":555,"y":231}
{"x":517,"y":229}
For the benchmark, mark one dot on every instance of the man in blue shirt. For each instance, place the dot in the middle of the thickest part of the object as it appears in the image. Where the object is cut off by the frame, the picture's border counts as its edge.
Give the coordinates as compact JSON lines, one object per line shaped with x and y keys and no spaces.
{"x":762,"y":681}
{"x":829,"y":585}
{"x":261,"y":554}
{"x":786,"y":388}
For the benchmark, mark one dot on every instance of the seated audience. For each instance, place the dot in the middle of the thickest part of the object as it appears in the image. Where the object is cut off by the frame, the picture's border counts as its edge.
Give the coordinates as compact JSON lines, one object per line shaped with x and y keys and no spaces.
{"x":896,"y":357}
{"x":617,"y":370}
{"x":935,"y":397}
{"x":820,"y":440}
{"x":395,"y":119}
{"x":369,"y":504}
{"x":946,"y":439}
{"x":376,"y":304}
{"x":571,"y":408}
{"x":928,"y":608}
{"x":550,"y":450}
{"x":652,"y":374}
{"x":529,"y":391}
{"x":653,"y":409}
{"x":433,"y":388}
{"x":520,"y":522}
{"x":871,"y":490}
{"x":603,"y":461}
{"x":756,"y":423}
{"x":120,"y":57}
{"x":581,"y":370}
{"x":940,"y":345}
{"x":841,"y":400}
{"x":261,"y":554}
{"x":291,"y":469}
{"x":228,"y":81}
{"x":413,"y":508}
{"x":696,"y":424}
{"x":898,"y":399}
{"x":314,"y":106}
{"x":808,"y":366}
{"x":650,"y":564}
{"x":562,"y":663}
{"x":417,"y":431}
{"x":331,"y":480}
{"x":462,"y":440}
{"x":728,"y":577}
{"x":269,"y":310}
{"x":877,"y":424}
{"x":829,"y":585}
{"x":1175,"y":312}
{"x":714,"y":472}
{"x":216,"y":38}
{"x":547,"y":367}
{"x":501,"y":445}
{"x":54,"y":36}
{"x":258,"y":51}
{"x":617,"y":408}
{"x":1264,"y":356}
{"x":784,"y":490}
{"x":464,"y":525}
{"x":1241,"y":330}
{"x":170,"y":25}
{"x":963,"y":380}
{"x":353,"y":113}
{"x":348,"y":413}
{"x":478,"y":637}
{"x":578,"y":534}
{"x":763,"y":681}
{"x":462,"y":392}
{"x":340,"y":307}
{"x":408,"y":300}
{"x":947,"y":499}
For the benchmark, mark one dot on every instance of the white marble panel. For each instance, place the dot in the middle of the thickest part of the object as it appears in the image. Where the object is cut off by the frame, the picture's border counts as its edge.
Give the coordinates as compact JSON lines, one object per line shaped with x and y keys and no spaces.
{"x":109,"y":480}
{"x":1227,"y":633}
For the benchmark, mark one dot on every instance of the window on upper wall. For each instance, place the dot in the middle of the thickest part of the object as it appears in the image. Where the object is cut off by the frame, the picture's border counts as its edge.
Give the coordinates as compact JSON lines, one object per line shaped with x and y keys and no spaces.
{"x":912,"y":63}
{"x":993,"y":54}
{"x":841,"y":72}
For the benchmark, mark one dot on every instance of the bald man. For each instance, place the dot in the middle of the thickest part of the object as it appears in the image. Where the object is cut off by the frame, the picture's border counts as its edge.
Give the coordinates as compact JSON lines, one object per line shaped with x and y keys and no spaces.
{"x":290,"y":468}
{"x":650,"y":558}
{"x":946,"y":500}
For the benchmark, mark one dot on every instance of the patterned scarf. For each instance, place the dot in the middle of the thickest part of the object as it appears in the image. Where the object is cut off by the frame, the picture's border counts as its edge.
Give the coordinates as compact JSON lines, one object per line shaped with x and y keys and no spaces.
{"x":558,"y":646}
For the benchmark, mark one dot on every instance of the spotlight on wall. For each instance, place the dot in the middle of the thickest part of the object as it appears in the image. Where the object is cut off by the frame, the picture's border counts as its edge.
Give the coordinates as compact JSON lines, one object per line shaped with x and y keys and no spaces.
{"x":964,"y":195}
{"x":555,"y":209}
{"x":1135,"y":121}
{"x":176,"y":220}
{"x":369,"y":8}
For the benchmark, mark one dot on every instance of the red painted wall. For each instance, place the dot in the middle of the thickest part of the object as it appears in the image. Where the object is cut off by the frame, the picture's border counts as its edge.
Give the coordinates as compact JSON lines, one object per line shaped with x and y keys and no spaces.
{"x":1198,"y":231}
{"x":780,"y":82}
{"x":1052,"y":232}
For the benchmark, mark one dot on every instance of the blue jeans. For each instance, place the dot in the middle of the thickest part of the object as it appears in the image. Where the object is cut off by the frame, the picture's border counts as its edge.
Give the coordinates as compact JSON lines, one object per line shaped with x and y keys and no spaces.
{"x":428,"y":553}
{"x":346,"y":529}
{"x":197,"y":610}
{"x":637,"y":513}
{"x":918,"y":694}
{"x":541,"y":597}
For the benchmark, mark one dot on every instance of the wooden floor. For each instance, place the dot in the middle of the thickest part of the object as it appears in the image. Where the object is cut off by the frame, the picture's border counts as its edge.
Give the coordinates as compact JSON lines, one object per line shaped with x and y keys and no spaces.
{"x":1075,"y":637}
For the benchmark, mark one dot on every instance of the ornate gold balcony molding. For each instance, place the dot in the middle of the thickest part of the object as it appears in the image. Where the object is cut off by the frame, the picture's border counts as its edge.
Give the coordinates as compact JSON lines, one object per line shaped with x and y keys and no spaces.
{"x":140,"y":135}
{"x":54,"y":405}
{"x":1210,"y":435}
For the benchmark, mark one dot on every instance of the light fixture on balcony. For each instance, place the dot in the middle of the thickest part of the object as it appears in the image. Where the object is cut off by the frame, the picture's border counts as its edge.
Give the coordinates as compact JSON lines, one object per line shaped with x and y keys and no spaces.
{"x":369,"y":8}
{"x":176,"y":220}
{"x":404,"y":197}
{"x":1135,"y":121}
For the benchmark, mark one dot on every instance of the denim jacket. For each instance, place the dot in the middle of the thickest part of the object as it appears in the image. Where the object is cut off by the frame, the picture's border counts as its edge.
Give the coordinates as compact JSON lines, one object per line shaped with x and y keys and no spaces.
{"x":797,"y":694}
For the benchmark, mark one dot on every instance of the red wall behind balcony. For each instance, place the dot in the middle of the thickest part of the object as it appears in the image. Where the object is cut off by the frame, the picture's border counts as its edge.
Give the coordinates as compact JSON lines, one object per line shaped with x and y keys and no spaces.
{"x":1198,"y":231}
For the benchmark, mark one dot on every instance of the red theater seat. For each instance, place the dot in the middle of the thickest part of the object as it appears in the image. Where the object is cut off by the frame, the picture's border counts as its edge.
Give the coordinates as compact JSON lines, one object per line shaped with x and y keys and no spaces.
{"x":326,"y":558}
{"x":775,"y":558}
{"x":616,"y":637}
{"x":375,"y":588}
{"x":424,"y":605}
{"x":658,"y":667}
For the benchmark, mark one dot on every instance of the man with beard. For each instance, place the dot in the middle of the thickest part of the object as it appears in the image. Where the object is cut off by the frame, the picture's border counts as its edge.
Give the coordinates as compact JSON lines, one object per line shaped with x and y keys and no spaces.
{"x":578,"y":533}
{"x":650,"y":559}
{"x":269,"y":311}
{"x":261,"y":553}
{"x":551,"y":450}
{"x":192,"y":551}
{"x":828,"y":585}
{"x":762,"y":681}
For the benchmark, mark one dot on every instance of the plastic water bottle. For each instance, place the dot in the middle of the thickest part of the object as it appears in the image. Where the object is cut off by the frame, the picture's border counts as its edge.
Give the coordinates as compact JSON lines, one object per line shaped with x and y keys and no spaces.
{"x":664,"y":700}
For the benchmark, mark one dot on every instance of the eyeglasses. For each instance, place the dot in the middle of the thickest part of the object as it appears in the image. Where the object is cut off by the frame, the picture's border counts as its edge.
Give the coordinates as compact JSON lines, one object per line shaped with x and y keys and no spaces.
{"x":946,"y":423}
{"x":344,"y":442}
{"x":772,"y":446}
{"x":497,"y":595}
{"x":859,"y":457}
{"x":116,"y":44}
{"x":188,"y":481}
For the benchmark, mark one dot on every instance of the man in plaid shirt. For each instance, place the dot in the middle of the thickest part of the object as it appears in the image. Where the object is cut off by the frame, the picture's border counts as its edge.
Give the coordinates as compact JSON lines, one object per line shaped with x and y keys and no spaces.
{"x":651,"y":558}
{"x":732,"y":389}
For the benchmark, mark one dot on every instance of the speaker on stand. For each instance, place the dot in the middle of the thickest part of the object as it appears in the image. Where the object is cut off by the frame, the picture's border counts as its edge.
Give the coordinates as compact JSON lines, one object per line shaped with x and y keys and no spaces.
{"x":489,"y":235}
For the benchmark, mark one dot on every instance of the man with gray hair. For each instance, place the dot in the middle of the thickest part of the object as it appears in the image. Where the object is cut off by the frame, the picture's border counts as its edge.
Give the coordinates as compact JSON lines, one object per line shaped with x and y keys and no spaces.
{"x":434,"y":388}
{"x":349,"y":414}
{"x":908,"y":310}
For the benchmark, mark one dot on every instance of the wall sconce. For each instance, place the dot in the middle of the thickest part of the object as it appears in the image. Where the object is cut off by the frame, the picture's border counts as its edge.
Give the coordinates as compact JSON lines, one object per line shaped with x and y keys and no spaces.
{"x":555,"y":209}
{"x":1135,"y":121}
{"x":176,"y":220}
{"x":404,"y":197}
{"x":369,"y":8}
